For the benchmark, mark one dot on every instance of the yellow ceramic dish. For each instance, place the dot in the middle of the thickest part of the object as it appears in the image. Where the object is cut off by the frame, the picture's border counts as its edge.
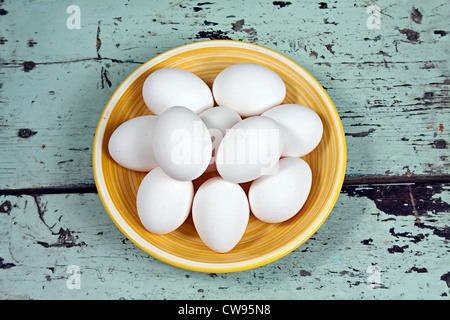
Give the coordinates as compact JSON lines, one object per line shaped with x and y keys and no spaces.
{"x":262,"y":242}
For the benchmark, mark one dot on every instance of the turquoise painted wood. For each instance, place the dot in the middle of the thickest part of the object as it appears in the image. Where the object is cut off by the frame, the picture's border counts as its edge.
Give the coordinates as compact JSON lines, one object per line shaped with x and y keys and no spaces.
{"x":361,"y":252}
{"x":390,"y":85}
{"x":387,"y":237}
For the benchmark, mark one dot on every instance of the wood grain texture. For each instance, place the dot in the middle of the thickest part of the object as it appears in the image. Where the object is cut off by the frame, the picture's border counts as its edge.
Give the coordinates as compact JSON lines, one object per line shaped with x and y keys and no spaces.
{"x":409,"y":248}
{"x":391,"y":92}
{"x":390,"y":87}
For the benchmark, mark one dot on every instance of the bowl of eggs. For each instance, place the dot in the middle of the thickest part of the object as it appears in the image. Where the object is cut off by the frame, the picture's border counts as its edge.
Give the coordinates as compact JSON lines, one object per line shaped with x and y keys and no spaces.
{"x":219,"y":156}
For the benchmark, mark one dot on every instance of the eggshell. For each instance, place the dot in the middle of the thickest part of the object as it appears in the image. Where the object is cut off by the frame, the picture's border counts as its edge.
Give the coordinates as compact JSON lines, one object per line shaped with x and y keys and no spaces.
{"x":248,"y":88}
{"x":302,"y":128}
{"x":130,"y":145}
{"x":181,"y":144}
{"x":168,"y":87}
{"x":278,"y":197}
{"x":221,"y":118}
{"x":220,"y":213}
{"x":250,"y":149}
{"x":218,"y":120}
{"x":163,"y":203}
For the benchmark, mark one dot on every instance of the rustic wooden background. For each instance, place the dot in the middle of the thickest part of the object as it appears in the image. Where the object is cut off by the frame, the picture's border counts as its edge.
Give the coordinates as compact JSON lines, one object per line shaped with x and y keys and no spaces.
{"x":388,"y":235}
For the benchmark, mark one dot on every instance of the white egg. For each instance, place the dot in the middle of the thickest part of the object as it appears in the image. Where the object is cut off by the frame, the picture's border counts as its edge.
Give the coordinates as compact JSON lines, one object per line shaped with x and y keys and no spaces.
{"x":278,"y":197}
{"x":221,"y":118}
{"x":181,"y":144}
{"x":302,"y":128}
{"x":248,"y":88}
{"x":168,"y":87}
{"x":218,"y":120}
{"x":220,"y":213}
{"x":250,"y":149}
{"x":130,"y":145}
{"x":163,"y":204}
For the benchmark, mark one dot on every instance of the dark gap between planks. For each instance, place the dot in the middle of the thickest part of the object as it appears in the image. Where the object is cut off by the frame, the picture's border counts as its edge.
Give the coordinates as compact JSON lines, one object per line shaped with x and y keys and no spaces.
{"x":348,"y":181}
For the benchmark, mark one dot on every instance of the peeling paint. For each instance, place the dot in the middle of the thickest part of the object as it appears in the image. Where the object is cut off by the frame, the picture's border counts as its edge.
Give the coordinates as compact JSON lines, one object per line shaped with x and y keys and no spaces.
{"x":6,"y":207}
{"x":7,"y":265}
{"x":411,"y":35}
{"x":360,"y":134}
{"x":65,"y":239}
{"x":213,"y":35}
{"x":281,"y":4}
{"x":404,"y":200}
{"x":98,"y":41}
{"x":26,"y":133}
{"x":416,"y":15}
{"x":28,"y":66}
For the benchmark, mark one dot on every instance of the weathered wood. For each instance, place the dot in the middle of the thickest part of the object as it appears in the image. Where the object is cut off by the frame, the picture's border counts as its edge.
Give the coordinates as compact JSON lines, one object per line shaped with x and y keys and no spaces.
{"x":387,"y":237}
{"x":390,"y":87}
{"x":396,"y":236}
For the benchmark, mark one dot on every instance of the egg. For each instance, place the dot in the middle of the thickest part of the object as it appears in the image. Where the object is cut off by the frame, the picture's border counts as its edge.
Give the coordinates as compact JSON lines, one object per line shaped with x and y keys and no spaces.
{"x":220,"y":213}
{"x":168,"y":87}
{"x":163,"y":203}
{"x":250,"y":149}
{"x":278,"y":197}
{"x":181,"y":144}
{"x":218,"y":120}
{"x":130,"y":145}
{"x":248,"y":88}
{"x":302,"y":128}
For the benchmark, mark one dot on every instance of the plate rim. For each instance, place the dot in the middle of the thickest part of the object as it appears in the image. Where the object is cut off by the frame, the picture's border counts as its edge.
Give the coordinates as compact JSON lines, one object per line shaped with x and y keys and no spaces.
{"x":186,"y":263}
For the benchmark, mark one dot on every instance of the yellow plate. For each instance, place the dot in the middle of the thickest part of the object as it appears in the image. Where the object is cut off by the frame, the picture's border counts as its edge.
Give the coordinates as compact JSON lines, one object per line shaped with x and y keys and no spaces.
{"x":262,"y":242}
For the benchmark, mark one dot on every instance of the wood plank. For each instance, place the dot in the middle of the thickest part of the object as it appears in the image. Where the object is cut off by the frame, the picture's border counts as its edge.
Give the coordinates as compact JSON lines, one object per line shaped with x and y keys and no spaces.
{"x":396,"y":236}
{"x":390,"y":85}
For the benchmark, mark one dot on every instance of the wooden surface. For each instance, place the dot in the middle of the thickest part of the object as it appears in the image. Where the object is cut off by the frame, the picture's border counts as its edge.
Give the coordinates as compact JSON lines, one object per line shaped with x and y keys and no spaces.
{"x":388,"y":235}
